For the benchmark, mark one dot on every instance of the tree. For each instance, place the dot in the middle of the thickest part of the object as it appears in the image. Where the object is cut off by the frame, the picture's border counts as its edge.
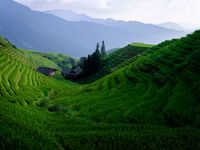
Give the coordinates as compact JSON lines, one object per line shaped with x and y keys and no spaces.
{"x":92,"y":63}
{"x":97,"y":48}
{"x":71,"y":61}
{"x":103,"y":49}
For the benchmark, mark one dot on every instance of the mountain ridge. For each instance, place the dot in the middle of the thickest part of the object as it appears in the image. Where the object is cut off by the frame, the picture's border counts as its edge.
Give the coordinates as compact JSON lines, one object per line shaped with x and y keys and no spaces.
{"x":30,"y":29}
{"x":72,"y":16}
{"x":172,"y":25}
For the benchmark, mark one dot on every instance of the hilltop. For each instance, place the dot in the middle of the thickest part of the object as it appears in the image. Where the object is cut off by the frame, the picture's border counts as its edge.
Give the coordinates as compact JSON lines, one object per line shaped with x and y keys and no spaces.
{"x":150,"y":101}
{"x":123,"y":55}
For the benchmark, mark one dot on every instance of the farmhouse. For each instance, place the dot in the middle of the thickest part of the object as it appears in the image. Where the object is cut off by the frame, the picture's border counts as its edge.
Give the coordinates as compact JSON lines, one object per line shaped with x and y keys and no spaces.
{"x":47,"y":71}
{"x":71,"y":73}
{"x":65,"y":72}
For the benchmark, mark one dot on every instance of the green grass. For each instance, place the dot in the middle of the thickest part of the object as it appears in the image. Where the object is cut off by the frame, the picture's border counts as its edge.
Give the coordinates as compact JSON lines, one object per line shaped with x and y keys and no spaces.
{"x":142,"y":45}
{"x":122,"y":55}
{"x":54,"y":60}
{"x":150,"y":101}
{"x":40,"y":60}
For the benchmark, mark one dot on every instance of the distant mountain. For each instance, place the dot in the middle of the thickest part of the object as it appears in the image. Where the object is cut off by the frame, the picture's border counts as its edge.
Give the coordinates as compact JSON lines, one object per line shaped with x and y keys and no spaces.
{"x":36,"y":30}
{"x":47,"y":33}
{"x":148,"y":32}
{"x":172,"y":25}
{"x":69,"y":15}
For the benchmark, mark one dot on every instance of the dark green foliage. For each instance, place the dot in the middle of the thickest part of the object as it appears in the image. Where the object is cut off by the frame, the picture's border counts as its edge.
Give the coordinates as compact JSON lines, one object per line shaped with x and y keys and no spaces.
{"x":92,"y":64}
{"x":56,"y":108}
{"x":43,"y":103}
{"x":97,"y":47}
{"x":103,"y":49}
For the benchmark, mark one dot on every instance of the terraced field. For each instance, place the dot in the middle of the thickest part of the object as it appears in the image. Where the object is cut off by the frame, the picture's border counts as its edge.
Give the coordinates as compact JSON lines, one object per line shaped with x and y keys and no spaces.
{"x":160,"y":86}
{"x":20,"y":83}
{"x":151,"y":101}
{"x":54,"y":60}
{"x":122,"y":56}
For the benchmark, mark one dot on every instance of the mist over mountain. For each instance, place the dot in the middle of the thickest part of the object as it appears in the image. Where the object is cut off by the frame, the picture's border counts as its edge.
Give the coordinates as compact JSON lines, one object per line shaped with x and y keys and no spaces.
{"x":172,"y":25}
{"x":45,"y":32}
{"x":150,"y":33}
{"x":157,"y":33}
{"x":70,"y":15}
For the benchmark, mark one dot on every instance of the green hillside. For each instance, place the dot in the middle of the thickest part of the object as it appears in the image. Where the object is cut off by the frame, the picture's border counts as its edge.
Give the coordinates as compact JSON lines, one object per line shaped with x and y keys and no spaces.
{"x":161,"y":86}
{"x":20,"y":82}
{"x":122,"y":55}
{"x":150,"y":101}
{"x":40,"y":60}
{"x":58,"y":61}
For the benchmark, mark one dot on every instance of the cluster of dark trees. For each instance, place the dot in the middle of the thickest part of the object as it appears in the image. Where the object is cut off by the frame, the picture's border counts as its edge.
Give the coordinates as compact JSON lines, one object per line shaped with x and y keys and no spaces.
{"x":93,"y":63}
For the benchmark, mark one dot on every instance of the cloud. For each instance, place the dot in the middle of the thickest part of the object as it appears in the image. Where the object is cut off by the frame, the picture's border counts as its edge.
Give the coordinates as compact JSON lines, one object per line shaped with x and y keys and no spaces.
{"x":46,"y":4}
{"x":152,"y":11}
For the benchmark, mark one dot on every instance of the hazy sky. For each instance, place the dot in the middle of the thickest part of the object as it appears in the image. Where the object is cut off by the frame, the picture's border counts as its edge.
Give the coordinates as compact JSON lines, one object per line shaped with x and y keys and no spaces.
{"x":184,"y":12}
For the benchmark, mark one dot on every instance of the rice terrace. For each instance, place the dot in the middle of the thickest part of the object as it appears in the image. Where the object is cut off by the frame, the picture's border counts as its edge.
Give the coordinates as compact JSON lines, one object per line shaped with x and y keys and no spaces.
{"x":122,"y":94}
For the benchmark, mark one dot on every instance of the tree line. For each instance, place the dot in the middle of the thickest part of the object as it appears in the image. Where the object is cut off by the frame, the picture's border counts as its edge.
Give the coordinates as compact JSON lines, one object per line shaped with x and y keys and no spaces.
{"x":93,"y":63}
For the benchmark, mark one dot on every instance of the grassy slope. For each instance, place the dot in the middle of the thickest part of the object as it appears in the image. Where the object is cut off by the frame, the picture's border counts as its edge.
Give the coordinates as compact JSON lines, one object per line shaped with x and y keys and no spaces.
{"x":121,"y":55}
{"x":18,"y":76}
{"x":159,"y":88}
{"x":40,"y":60}
{"x":21,"y":89}
{"x":54,"y":60}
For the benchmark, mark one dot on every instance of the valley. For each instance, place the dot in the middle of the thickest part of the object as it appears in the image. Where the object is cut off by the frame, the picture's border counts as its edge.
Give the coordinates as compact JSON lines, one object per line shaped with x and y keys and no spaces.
{"x":149,"y":100}
{"x":99,"y":75}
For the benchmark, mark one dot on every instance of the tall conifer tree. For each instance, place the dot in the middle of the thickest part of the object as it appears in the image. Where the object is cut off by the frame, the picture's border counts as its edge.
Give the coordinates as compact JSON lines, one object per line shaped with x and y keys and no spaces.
{"x":103,"y":49}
